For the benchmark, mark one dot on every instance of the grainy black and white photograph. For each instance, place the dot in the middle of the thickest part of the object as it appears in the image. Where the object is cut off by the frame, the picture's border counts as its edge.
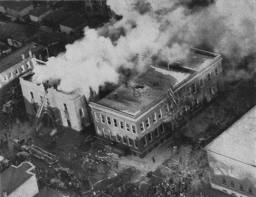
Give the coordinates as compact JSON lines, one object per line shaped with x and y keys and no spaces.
{"x":127,"y":98}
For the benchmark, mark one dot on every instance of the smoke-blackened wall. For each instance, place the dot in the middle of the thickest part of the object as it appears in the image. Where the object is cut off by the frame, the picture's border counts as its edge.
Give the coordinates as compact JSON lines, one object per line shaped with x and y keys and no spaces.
{"x":165,"y":29}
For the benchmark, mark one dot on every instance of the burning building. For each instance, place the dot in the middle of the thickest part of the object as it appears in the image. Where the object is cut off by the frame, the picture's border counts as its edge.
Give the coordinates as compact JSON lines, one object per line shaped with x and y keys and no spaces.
{"x":144,"y":112}
{"x":231,"y":157}
{"x":45,"y":101}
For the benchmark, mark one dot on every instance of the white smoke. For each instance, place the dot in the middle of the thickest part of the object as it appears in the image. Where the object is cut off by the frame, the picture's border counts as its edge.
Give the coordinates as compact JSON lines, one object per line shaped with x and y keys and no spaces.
{"x":163,"y":28}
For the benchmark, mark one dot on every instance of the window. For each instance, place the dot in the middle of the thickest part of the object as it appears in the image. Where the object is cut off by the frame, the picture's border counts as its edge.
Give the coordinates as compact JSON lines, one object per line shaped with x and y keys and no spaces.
{"x":209,"y":77}
{"x":224,"y":181}
{"x":124,"y":140}
{"x":115,"y":122}
{"x":130,"y":141}
{"x":103,"y":118}
{"x":147,"y":123}
{"x":201,"y":82}
{"x":133,"y":129}
{"x":10,"y":75}
{"x":156,"y":133}
{"x":142,"y":126}
{"x":167,"y":107}
{"x":96,"y":117}
{"x":161,"y":128}
{"x":250,"y":190}
{"x":41,"y":99}
{"x":32,"y":95}
{"x":135,"y":143}
{"x":193,"y":88}
{"x":118,"y":138}
{"x":241,"y":188}
{"x":127,"y":127}
{"x":65,"y":107}
{"x":98,"y":130}
{"x":232,"y":184}
{"x":69,"y":123}
{"x":216,"y":71}
{"x":109,"y":120}
{"x":81,"y":112}
{"x":149,"y":136}
{"x":154,"y":117}
{"x":144,"y":141}
{"x":5,"y":78}
{"x":122,"y":125}
{"x":160,"y":114}
{"x":22,"y":68}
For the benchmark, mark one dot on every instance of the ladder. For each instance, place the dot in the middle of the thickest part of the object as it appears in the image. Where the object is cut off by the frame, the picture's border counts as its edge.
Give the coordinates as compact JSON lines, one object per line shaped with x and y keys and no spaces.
{"x":41,"y":107}
{"x":39,"y":112}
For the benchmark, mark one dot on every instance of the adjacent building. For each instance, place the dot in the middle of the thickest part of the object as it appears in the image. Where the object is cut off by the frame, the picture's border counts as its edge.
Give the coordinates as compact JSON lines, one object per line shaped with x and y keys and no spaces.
{"x":16,"y":35}
{"x":39,"y":13}
{"x":16,"y":9}
{"x":232,"y":156}
{"x":19,"y":62}
{"x":73,"y":24}
{"x":44,"y":100}
{"x":15,"y":64}
{"x":143,"y":113}
{"x":19,"y":181}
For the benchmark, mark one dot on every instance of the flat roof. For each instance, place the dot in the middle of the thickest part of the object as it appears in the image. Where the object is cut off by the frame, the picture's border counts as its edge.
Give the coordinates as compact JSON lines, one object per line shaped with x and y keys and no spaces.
{"x":150,"y":87}
{"x":238,"y":142}
{"x":15,"y":57}
{"x":14,"y":177}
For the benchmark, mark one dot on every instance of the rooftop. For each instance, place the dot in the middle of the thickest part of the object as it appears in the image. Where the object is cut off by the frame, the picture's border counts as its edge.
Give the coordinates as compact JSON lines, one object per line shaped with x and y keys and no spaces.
{"x":16,"y":5}
{"x":19,"y":32}
{"x":14,"y":177}
{"x":75,"y":21}
{"x":58,"y":15}
{"x":152,"y":85}
{"x":15,"y":56}
{"x":39,"y":11}
{"x":238,"y":142}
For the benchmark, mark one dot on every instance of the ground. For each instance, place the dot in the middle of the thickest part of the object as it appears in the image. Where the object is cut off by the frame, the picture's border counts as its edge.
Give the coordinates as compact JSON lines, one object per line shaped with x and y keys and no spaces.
{"x":86,"y":168}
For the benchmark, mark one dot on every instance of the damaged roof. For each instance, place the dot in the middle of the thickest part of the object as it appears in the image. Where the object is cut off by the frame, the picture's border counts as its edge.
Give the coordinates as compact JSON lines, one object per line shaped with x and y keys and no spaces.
{"x":152,"y":86}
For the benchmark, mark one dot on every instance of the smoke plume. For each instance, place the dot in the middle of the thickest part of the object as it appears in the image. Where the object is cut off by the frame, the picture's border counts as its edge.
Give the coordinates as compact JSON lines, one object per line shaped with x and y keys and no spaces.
{"x":154,"y":28}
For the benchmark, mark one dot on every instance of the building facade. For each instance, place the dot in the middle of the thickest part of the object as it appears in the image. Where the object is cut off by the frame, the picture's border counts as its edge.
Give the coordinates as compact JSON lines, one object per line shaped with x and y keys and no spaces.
{"x":231,"y":158}
{"x":16,"y":64}
{"x":144,"y":113}
{"x":65,"y":109}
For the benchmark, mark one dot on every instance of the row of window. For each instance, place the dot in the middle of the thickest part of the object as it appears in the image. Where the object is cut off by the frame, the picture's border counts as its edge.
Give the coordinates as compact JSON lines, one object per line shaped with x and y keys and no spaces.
{"x":194,"y":86}
{"x":17,"y":71}
{"x":232,"y":184}
{"x":147,"y":123}
{"x":121,"y":139}
{"x":156,"y":133}
{"x":112,"y":121}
